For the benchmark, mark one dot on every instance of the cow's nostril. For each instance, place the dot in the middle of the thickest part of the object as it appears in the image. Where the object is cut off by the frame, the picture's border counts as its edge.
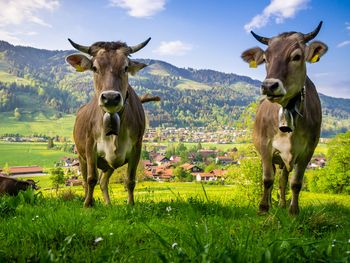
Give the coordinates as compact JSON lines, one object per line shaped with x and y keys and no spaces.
{"x":274,"y":86}
{"x":103,"y":97}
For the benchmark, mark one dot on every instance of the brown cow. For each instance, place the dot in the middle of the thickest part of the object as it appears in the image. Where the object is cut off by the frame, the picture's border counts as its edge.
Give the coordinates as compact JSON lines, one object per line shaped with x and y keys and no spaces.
{"x":288,"y":119}
{"x":108,"y":130}
{"x":12,"y":186}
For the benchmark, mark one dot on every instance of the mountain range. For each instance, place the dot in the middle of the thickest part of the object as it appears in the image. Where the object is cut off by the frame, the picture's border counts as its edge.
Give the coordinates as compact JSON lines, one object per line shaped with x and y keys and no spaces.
{"x":37,"y":81}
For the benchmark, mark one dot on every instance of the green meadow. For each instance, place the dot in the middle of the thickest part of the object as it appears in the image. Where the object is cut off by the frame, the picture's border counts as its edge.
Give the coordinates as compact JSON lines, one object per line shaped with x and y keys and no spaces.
{"x":26,"y":154}
{"x":37,"y":124}
{"x":171,"y":222}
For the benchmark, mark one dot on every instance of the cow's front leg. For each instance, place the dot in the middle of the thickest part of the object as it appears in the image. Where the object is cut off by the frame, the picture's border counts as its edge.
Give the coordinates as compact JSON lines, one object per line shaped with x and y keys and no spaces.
{"x":295,"y":185}
{"x":83,"y":170}
{"x":104,"y":180}
{"x":92,"y":175}
{"x":132,"y":167}
{"x":282,"y":186}
{"x":268,"y":178}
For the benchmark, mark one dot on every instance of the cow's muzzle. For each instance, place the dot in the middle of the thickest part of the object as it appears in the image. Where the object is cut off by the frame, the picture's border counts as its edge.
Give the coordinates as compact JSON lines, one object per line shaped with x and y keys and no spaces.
{"x":111,"y":101}
{"x":273,"y":89}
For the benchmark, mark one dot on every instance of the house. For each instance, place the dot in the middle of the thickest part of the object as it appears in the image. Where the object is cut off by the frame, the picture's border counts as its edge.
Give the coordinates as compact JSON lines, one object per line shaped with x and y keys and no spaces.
{"x":212,"y":176}
{"x":159,"y":173}
{"x":191,"y":168}
{"x":218,"y":173}
{"x":16,"y":170}
{"x":175,"y":159}
{"x":161,"y":159}
{"x":147,"y":163}
{"x":224,"y":160}
{"x":205,"y":153}
{"x":206,"y":177}
{"x":317,"y":162}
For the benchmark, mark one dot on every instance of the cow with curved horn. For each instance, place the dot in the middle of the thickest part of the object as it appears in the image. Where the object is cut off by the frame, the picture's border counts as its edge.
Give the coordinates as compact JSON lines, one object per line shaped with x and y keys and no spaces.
{"x":108,"y":130}
{"x":288,"y":119}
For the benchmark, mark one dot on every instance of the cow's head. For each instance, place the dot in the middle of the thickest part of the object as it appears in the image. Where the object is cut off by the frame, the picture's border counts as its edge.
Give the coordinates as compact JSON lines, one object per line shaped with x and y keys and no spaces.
{"x":285,"y":59}
{"x":32,"y":184}
{"x":110,"y":64}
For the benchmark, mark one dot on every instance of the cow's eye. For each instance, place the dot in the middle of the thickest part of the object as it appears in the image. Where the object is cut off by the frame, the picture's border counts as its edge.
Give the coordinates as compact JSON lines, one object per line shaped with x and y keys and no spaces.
{"x":297,"y":57}
{"x":126,"y":69}
{"x":94,"y":68}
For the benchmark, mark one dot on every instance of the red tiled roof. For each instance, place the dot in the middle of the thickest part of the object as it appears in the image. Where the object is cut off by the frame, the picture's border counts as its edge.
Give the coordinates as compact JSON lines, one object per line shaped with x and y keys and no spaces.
{"x":25,"y":169}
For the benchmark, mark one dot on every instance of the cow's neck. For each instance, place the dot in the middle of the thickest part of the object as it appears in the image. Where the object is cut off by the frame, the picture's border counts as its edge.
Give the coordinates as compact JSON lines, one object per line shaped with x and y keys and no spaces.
{"x":289,"y":114}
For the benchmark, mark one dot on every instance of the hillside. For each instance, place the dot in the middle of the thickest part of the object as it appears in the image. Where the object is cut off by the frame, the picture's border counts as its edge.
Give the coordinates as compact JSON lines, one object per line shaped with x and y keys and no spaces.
{"x":38,"y":84}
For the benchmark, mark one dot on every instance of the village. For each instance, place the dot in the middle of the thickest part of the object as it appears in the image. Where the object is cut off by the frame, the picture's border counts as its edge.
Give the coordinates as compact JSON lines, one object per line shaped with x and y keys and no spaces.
{"x":167,"y":161}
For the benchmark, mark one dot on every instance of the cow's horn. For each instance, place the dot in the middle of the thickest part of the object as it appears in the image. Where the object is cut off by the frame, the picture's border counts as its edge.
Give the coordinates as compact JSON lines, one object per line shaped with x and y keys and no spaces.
{"x":84,"y":49}
{"x":313,"y":34}
{"x":136,"y":48}
{"x":264,"y":40}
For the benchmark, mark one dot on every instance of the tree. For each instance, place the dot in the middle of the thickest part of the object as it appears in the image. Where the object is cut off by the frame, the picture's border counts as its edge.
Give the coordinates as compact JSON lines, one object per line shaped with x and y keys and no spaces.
{"x":181,"y":175}
{"x":57,"y":177}
{"x":17,"y":114}
{"x":50,"y":143}
{"x":6,"y":169}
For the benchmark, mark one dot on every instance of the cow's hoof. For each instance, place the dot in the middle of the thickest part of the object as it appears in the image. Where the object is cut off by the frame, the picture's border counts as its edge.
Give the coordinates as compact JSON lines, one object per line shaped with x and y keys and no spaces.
{"x":282,"y":204}
{"x":263,"y":209}
{"x":88,"y":203}
{"x":293,"y":210}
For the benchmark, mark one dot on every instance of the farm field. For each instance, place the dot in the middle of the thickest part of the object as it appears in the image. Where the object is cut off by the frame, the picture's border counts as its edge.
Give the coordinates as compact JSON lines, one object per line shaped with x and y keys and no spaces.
{"x":39,"y":124}
{"x":171,"y":222}
{"x":26,"y":154}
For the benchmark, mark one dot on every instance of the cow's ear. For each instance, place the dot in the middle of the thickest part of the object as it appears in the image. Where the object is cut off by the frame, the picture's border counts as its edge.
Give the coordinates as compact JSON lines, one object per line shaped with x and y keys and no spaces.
{"x":254,"y":56}
{"x":135,"y":66}
{"x":79,"y":62}
{"x":315,"y":50}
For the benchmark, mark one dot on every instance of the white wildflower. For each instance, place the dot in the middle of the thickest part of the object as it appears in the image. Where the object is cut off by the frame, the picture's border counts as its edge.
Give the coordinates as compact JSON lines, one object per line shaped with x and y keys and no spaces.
{"x":173,"y":246}
{"x":168,"y":209}
{"x":98,"y":240}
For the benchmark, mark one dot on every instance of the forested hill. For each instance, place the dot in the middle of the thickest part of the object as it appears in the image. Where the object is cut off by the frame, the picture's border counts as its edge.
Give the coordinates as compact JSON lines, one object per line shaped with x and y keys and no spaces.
{"x":36,"y":81}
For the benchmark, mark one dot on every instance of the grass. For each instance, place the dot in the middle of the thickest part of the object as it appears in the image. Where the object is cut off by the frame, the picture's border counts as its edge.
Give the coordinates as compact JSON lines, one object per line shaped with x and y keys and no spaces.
{"x":171,"y":222}
{"x":190,"y":84}
{"x":26,"y":154}
{"x":38,"y":124}
{"x":9,"y":78}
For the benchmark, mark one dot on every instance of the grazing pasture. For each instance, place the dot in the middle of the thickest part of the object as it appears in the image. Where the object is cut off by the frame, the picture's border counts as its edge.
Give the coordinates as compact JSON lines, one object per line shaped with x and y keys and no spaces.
{"x":171,"y":222}
{"x":23,"y":154}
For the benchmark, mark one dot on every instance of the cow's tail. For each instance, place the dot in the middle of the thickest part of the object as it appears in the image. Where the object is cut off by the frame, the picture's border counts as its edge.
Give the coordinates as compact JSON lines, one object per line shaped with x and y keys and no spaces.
{"x":148,"y":98}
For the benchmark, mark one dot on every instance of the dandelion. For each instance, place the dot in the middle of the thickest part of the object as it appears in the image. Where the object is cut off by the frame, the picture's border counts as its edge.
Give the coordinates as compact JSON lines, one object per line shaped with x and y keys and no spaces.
{"x":168,"y":209}
{"x":173,"y":246}
{"x":98,"y":240}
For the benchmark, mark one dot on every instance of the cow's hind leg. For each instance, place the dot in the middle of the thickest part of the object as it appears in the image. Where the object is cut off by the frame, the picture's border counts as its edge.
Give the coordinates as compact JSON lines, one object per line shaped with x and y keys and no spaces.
{"x":104,"y":180}
{"x":132,"y":167}
{"x":282,"y":186}
{"x":268,"y":178}
{"x":295,"y":185}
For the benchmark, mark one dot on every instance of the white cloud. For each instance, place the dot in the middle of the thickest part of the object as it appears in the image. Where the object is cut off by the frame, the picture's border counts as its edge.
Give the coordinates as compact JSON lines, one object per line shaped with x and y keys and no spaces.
{"x":277,"y":9}
{"x":140,"y":8}
{"x":22,"y":12}
{"x":173,"y":48}
{"x":344,"y":43}
{"x":347,"y":24}
{"x":16,"y":12}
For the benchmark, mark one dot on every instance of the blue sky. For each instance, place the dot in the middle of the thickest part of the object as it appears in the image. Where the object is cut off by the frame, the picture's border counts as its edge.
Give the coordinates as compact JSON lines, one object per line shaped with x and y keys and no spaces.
{"x":187,"y":33}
